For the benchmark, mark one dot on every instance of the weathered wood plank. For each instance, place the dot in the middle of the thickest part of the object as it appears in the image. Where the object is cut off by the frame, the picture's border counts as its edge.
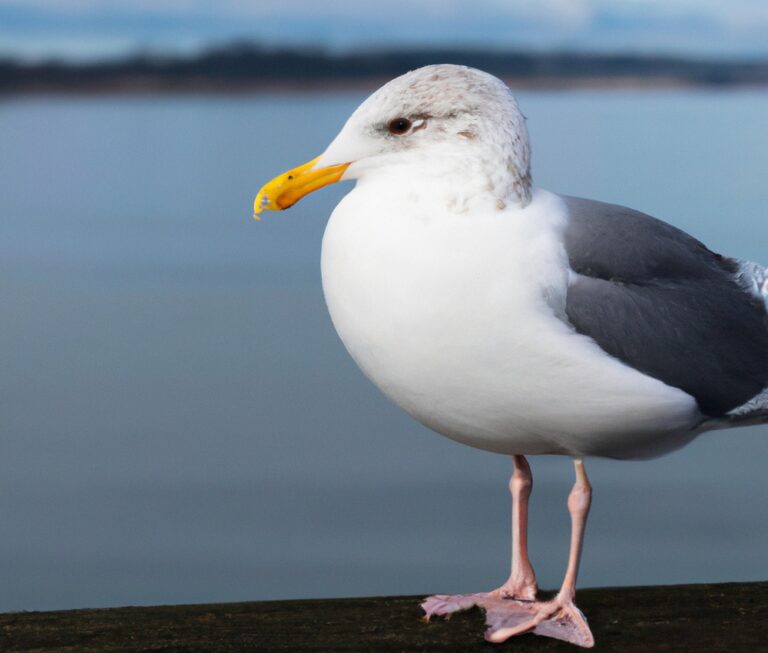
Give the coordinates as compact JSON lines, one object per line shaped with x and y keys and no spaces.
{"x":715,"y":618}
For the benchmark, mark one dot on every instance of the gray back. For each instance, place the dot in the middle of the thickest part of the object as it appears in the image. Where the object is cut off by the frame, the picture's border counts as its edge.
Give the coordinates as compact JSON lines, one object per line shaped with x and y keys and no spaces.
{"x":663,"y":303}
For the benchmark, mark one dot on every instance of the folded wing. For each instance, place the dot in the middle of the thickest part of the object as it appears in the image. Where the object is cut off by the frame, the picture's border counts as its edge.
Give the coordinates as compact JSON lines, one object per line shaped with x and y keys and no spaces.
{"x":660,"y":301}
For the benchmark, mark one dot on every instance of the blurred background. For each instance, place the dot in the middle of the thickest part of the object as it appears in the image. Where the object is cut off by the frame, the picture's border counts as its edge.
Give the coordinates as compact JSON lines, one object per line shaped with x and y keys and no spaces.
{"x":179,"y":422}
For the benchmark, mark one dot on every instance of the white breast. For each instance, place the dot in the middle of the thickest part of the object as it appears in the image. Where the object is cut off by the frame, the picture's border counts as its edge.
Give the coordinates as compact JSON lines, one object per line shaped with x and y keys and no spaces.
{"x":459,"y":318}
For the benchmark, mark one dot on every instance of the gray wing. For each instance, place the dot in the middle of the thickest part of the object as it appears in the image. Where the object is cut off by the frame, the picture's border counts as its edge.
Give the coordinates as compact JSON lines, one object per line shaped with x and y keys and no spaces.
{"x":660,"y":301}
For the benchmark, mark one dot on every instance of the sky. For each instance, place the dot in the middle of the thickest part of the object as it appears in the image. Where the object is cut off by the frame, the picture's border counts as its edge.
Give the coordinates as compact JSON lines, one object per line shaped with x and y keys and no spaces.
{"x":92,"y":29}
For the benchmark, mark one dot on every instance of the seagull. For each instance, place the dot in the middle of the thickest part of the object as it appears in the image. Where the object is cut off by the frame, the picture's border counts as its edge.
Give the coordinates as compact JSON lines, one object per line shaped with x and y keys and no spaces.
{"x":519,"y":321}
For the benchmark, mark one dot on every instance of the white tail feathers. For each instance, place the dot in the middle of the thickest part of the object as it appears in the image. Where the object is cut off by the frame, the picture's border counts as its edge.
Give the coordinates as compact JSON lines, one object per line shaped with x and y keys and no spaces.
{"x":758,"y":405}
{"x":754,"y":278}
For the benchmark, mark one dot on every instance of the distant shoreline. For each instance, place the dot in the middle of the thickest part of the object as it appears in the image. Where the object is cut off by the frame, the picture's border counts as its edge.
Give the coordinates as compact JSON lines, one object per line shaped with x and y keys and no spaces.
{"x":249,"y":69}
{"x":143,"y":87}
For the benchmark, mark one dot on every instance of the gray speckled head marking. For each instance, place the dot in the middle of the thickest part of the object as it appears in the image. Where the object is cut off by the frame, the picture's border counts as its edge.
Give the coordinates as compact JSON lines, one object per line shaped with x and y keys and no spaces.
{"x":473,"y":112}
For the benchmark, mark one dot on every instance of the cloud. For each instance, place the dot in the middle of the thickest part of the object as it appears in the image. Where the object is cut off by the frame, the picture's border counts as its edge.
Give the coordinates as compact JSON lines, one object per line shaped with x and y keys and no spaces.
{"x":111,"y":26}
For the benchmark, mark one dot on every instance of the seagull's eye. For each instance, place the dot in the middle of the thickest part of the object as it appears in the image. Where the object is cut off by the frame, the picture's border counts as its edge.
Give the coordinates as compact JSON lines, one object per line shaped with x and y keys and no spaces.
{"x":399,"y":126}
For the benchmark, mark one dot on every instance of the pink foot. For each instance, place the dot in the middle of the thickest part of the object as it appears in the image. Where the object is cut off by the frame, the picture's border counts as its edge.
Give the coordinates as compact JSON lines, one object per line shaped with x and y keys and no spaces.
{"x":520,"y":590}
{"x":444,"y":605}
{"x":558,"y":618}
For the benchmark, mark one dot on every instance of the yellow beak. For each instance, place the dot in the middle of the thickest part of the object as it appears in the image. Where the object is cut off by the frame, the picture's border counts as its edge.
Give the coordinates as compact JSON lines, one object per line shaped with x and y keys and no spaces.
{"x":287,"y":189}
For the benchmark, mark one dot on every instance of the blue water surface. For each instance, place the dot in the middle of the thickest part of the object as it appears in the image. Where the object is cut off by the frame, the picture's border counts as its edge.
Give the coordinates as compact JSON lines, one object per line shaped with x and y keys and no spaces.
{"x":179,"y":422}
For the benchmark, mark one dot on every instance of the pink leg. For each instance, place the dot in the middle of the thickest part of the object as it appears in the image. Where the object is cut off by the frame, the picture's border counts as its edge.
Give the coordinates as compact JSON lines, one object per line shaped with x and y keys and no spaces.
{"x":559,"y":618}
{"x":506,"y":614}
{"x":521,"y":584}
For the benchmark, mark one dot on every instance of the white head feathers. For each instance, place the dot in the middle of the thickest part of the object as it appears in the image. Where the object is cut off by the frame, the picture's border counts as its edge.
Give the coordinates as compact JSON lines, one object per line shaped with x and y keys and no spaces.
{"x":452,"y":116}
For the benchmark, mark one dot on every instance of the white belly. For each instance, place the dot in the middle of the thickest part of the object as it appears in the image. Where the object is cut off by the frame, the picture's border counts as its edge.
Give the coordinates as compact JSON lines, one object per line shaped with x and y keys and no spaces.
{"x":455,"y":318}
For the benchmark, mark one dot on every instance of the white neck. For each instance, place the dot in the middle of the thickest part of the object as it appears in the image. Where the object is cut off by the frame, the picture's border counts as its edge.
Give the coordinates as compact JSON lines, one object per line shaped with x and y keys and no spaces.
{"x":476,"y":178}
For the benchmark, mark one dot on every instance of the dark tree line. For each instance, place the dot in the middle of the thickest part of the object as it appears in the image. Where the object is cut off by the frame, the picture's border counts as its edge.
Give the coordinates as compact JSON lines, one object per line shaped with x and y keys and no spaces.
{"x":248,"y":65}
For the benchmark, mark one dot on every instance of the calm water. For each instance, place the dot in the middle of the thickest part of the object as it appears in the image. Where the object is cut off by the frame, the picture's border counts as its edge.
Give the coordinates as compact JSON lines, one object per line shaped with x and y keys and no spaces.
{"x":179,"y":422}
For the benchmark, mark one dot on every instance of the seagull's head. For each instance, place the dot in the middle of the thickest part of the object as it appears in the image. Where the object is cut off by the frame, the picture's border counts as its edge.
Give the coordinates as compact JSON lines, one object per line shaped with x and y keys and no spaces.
{"x":442,"y":121}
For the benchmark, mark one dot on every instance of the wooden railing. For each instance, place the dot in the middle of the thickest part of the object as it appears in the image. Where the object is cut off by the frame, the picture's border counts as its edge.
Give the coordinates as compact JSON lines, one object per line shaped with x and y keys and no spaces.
{"x":723,"y":618}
